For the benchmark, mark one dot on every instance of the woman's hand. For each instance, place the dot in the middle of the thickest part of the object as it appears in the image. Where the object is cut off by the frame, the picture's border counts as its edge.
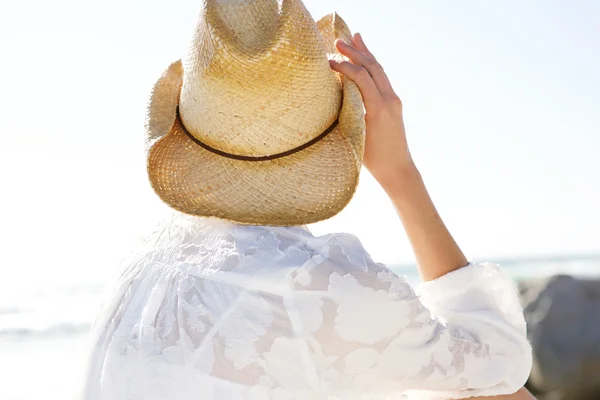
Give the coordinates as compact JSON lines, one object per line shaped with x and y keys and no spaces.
{"x":386,"y":149}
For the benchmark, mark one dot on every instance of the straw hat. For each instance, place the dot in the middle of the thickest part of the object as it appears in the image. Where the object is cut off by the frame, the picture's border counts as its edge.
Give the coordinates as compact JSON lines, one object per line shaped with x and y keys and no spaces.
{"x":254,"y":126}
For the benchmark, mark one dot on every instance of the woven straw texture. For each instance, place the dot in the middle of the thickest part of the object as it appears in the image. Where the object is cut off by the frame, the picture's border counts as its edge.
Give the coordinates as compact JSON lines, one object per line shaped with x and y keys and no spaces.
{"x":257,"y":82}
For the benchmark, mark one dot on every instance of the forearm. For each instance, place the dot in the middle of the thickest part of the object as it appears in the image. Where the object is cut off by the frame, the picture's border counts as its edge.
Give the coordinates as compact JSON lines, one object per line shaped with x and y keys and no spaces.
{"x":522,"y":394}
{"x":435,"y":249}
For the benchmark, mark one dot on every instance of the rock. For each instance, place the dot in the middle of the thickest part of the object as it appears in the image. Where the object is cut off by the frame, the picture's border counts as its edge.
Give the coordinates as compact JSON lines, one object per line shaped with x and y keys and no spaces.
{"x":563,"y":321}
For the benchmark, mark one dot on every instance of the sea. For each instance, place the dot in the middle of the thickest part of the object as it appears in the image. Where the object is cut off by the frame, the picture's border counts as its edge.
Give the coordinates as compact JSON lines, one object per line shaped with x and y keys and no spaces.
{"x":44,"y":326}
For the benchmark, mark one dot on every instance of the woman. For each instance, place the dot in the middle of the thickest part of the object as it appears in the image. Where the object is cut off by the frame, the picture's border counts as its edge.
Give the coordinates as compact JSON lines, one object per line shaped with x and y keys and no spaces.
{"x":257,"y":307}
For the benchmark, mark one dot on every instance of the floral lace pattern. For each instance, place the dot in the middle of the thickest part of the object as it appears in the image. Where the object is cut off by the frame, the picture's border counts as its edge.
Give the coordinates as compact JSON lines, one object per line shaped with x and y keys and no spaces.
{"x":213,"y":310}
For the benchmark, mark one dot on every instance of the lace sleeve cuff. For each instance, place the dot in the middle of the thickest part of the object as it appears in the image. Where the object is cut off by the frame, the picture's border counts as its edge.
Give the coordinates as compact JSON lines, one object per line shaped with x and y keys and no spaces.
{"x":482,"y":298}
{"x":476,"y":287}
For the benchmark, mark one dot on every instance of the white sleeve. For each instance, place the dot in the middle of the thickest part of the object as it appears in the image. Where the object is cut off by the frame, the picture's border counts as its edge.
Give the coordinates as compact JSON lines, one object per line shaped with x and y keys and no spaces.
{"x":481,"y":299}
{"x":368,"y":332}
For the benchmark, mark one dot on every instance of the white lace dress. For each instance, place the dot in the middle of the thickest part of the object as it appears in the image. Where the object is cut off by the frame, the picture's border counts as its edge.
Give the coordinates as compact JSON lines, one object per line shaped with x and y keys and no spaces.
{"x":213,"y":310}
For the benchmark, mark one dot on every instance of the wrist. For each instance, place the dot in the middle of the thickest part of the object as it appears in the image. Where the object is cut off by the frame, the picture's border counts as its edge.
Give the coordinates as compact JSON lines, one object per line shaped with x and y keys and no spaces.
{"x":400,"y":180}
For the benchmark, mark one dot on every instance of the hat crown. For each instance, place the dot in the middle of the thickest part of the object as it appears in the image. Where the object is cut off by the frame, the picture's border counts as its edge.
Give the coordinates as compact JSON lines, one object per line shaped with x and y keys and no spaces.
{"x":256,"y":81}
{"x":250,"y":23}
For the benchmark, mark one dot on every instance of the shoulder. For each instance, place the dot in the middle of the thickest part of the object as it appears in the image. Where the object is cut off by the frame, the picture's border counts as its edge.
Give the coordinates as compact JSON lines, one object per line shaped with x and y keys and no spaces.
{"x":346,"y":254}
{"x":341,"y":265}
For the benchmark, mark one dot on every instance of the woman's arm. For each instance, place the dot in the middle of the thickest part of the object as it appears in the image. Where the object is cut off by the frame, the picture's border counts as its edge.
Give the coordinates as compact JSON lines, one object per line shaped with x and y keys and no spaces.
{"x":388,"y":159}
{"x":522,"y":394}
{"x":470,"y":300}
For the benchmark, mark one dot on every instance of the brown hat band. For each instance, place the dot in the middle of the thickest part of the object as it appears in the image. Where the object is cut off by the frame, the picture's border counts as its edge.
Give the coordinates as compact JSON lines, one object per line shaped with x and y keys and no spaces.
{"x":259,"y":158}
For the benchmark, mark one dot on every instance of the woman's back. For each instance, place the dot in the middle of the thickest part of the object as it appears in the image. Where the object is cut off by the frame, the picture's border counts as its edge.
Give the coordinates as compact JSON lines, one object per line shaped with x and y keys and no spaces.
{"x":222,"y":311}
{"x":271,"y":127}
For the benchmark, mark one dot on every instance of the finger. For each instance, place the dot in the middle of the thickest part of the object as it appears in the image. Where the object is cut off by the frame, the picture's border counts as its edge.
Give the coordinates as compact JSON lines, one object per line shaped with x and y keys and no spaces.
{"x":359,"y":43}
{"x":370,"y":64}
{"x":386,"y":88}
{"x":363,"y":80}
{"x":357,"y":57}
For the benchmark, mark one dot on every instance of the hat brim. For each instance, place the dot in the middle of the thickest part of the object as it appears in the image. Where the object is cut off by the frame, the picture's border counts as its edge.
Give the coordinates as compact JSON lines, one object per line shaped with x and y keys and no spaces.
{"x":305,"y":187}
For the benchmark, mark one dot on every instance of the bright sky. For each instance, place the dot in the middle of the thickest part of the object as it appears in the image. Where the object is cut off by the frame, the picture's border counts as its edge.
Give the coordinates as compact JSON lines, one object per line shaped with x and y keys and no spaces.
{"x":501,"y":100}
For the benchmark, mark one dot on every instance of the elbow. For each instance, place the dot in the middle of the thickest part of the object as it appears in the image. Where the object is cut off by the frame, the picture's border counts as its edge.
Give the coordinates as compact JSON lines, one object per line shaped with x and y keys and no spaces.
{"x":521,"y":364}
{"x":514,"y":367}
{"x":505,"y":370}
